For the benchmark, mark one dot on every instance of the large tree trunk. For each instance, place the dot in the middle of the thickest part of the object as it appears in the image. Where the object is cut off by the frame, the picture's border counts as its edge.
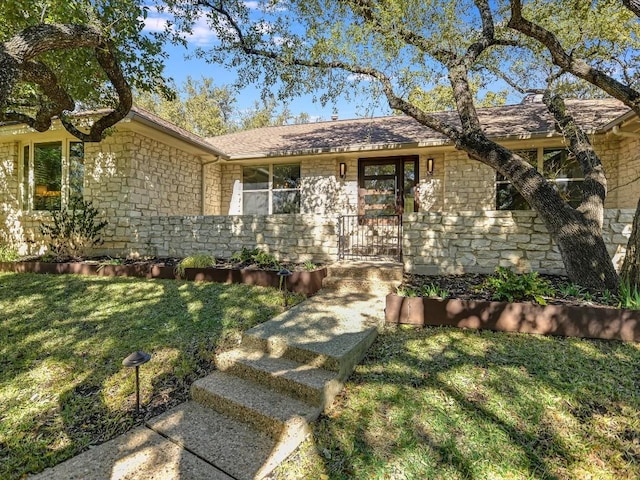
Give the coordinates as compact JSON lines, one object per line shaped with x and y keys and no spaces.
{"x":583,"y":251}
{"x":631,"y":266}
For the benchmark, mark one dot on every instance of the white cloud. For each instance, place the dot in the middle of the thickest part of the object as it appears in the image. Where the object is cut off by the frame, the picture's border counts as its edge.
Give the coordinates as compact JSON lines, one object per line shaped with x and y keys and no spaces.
{"x":201,"y":34}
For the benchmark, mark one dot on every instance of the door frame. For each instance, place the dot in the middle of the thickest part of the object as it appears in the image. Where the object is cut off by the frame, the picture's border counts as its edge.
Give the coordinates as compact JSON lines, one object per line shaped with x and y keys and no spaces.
{"x":399,"y":162}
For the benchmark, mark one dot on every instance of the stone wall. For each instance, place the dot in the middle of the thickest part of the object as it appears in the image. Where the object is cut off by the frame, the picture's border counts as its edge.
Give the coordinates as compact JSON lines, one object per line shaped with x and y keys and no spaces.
{"x":626,"y":188}
{"x":289,"y":237}
{"x":480,"y":241}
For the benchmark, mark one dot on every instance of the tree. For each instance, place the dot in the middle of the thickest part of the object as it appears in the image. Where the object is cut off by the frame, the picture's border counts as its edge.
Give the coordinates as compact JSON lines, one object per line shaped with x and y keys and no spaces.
{"x":200,"y":107}
{"x":400,"y":46}
{"x":57,"y":55}
{"x":597,"y":72}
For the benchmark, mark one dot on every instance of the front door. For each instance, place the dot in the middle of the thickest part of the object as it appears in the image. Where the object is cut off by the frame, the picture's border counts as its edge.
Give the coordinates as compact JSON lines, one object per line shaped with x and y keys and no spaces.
{"x":387,"y":186}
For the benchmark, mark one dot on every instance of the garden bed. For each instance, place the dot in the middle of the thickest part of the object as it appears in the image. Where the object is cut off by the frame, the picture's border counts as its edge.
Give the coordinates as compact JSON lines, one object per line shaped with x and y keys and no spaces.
{"x":304,"y":282}
{"x":587,"y":321}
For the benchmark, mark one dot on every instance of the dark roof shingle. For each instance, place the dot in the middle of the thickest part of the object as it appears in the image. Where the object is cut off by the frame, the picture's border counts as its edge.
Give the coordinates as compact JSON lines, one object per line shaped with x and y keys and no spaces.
{"x":511,"y":121}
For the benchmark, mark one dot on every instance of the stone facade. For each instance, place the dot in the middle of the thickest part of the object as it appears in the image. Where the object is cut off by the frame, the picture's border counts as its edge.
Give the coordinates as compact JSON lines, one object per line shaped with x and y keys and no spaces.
{"x":289,"y":237}
{"x":479,"y":241}
{"x":127,"y":176}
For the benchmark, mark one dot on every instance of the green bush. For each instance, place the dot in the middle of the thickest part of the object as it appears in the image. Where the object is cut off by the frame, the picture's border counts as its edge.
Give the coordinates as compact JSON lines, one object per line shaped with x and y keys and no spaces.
{"x":255,"y":256}
{"x":430,"y":290}
{"x":629,"y":296}
{"x":8,"y":254}
{"x":504,"y":284}
{"x":200,"y":260}
{"x":73,"y":231}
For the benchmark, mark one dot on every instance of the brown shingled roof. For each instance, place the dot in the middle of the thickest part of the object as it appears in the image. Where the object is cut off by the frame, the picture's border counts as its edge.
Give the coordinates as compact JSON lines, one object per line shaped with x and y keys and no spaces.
{"x":511,"y":121}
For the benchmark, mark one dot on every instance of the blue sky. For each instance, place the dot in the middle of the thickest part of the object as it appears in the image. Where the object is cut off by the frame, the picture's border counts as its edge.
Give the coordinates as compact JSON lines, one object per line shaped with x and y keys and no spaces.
{"x":182,"y":63}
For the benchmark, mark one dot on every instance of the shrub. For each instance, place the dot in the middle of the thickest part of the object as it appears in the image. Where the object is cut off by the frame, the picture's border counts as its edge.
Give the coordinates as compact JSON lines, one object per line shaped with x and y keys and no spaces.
{"x":73,"y":231}
{"x":629,"y":296}
{"x":200,"y":260}
{"x":8,"y":254}
{"x":309,"y":265}
{"x":504,"y":284}
{"x":255,"y":256}
{"x":429,"y":291}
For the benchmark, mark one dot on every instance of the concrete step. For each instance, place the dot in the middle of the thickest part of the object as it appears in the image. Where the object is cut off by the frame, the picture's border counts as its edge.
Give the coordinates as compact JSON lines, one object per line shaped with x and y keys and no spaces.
{"x":366,"y":271}
{"x":348,"y":285}
{"x":278,"y":415}
{"x":332,"y":332}
{"x":140,"y":453}
{"x":232,"y":446}
{"x":310,"y":384}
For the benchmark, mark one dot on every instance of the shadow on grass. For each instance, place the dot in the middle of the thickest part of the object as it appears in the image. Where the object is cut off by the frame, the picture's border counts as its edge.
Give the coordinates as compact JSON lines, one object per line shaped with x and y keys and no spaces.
{"x":62,"y":341}
{"x":445,"y":403}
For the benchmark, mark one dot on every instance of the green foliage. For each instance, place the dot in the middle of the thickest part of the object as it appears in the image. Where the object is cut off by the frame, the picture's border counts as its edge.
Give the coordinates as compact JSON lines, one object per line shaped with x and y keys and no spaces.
{"x":629,"y":296}
{"x":309,"y":265}
{"x":265,"y":260}
{"x":123,"y":21}
{"x":430,"y":290}
{"x":8,"y":254}
{"x":244,"y":255}
{"x":200,"y":260}
{"x":256,"y":257}
{"x":506,"y":285}
{"x":73,"y":231}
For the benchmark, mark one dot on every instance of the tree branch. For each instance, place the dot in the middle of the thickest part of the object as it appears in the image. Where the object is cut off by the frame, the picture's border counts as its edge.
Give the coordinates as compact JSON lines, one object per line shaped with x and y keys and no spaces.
{"x":17,"y":65}
{"x":577,"y":66}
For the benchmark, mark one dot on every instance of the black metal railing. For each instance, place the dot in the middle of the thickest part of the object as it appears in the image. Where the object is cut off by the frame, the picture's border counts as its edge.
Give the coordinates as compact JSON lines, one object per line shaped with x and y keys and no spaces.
{"x":363,"y":236}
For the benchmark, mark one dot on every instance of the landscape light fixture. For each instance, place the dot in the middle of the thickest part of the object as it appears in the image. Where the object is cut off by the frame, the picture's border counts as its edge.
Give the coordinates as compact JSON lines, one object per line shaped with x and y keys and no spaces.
{"x":430,"y":164}
{"x":135,"y":360}
{"x":343,"y":170}
{"x":284,"y":273}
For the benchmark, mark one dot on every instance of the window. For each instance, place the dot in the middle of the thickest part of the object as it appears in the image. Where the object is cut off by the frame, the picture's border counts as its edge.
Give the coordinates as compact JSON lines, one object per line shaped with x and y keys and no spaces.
{"x":268,"y":189}
{"x":52,"y":174}
{"x":557,"y":165}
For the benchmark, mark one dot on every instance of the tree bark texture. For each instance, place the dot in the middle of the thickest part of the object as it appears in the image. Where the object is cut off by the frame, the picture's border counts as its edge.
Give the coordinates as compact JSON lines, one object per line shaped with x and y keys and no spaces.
{"x":631,"y":265}
{"x":18,"y":63}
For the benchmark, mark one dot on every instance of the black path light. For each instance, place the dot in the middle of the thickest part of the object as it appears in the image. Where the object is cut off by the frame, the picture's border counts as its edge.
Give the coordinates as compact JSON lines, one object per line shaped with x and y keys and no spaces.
{"x":135,"y":360}
{"x":284,"y":273}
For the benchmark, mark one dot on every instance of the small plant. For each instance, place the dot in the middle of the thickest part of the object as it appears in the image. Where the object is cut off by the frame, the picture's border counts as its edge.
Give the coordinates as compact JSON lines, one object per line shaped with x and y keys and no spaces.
{"x":265,"y":260}
{"x":244,"y":255}
{"x":504,"y":284}
{"x":629,"y":296}
{"x":110,"y":261}
{"x":407,"y":291}
{"x":255,"y":256}
{"x":309,"y":265}
{"x":201,"y":260}
{"x":433,"y":291}
{"x":8,"y":254}
{"x":570,"y":290}
{"x":73,"y":231}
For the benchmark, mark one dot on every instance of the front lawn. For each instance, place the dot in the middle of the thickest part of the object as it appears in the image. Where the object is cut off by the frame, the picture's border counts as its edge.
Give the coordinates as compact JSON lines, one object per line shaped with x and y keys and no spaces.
{"x":62,"y":341}
{"x":442,"y":403}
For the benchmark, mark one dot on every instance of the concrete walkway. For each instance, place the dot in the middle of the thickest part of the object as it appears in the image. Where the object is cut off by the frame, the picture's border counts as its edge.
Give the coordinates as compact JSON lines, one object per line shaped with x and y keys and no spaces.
{"x":251,"y":413}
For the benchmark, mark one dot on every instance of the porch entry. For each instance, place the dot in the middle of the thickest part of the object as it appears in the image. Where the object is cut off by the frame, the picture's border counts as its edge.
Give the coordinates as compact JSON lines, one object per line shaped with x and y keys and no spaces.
{"x":386,"y":190}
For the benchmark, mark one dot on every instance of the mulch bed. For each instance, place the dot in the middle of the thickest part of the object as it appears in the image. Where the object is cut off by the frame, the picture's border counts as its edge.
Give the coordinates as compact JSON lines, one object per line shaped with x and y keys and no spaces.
{"x":469,"y":287}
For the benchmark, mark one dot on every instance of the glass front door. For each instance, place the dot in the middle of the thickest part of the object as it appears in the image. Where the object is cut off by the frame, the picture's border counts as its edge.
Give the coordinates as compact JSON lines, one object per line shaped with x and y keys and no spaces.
{"x":387,"y":186}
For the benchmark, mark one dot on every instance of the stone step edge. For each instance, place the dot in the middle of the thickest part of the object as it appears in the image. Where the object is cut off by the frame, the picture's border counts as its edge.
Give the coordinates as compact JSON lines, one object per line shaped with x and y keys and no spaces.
{"x":234,"y":407}
{"x":343,"y":366}
{"x":236,"y":363}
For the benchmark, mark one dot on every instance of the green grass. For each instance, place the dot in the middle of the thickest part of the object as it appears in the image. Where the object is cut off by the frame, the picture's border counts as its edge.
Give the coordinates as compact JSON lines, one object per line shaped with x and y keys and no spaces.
{"x":62,"y":341}
{"x":441,"y":403}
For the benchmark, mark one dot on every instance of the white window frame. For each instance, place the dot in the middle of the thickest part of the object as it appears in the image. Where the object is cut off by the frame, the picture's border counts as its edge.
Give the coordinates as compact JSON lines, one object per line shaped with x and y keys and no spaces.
{"x":29,"y":194}
{"x":269,"y":190}
{"x":539,"y":167}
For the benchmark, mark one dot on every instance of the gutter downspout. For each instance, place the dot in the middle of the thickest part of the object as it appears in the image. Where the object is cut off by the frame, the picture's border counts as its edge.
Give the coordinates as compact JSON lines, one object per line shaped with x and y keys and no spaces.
{"x":203,"y":183}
